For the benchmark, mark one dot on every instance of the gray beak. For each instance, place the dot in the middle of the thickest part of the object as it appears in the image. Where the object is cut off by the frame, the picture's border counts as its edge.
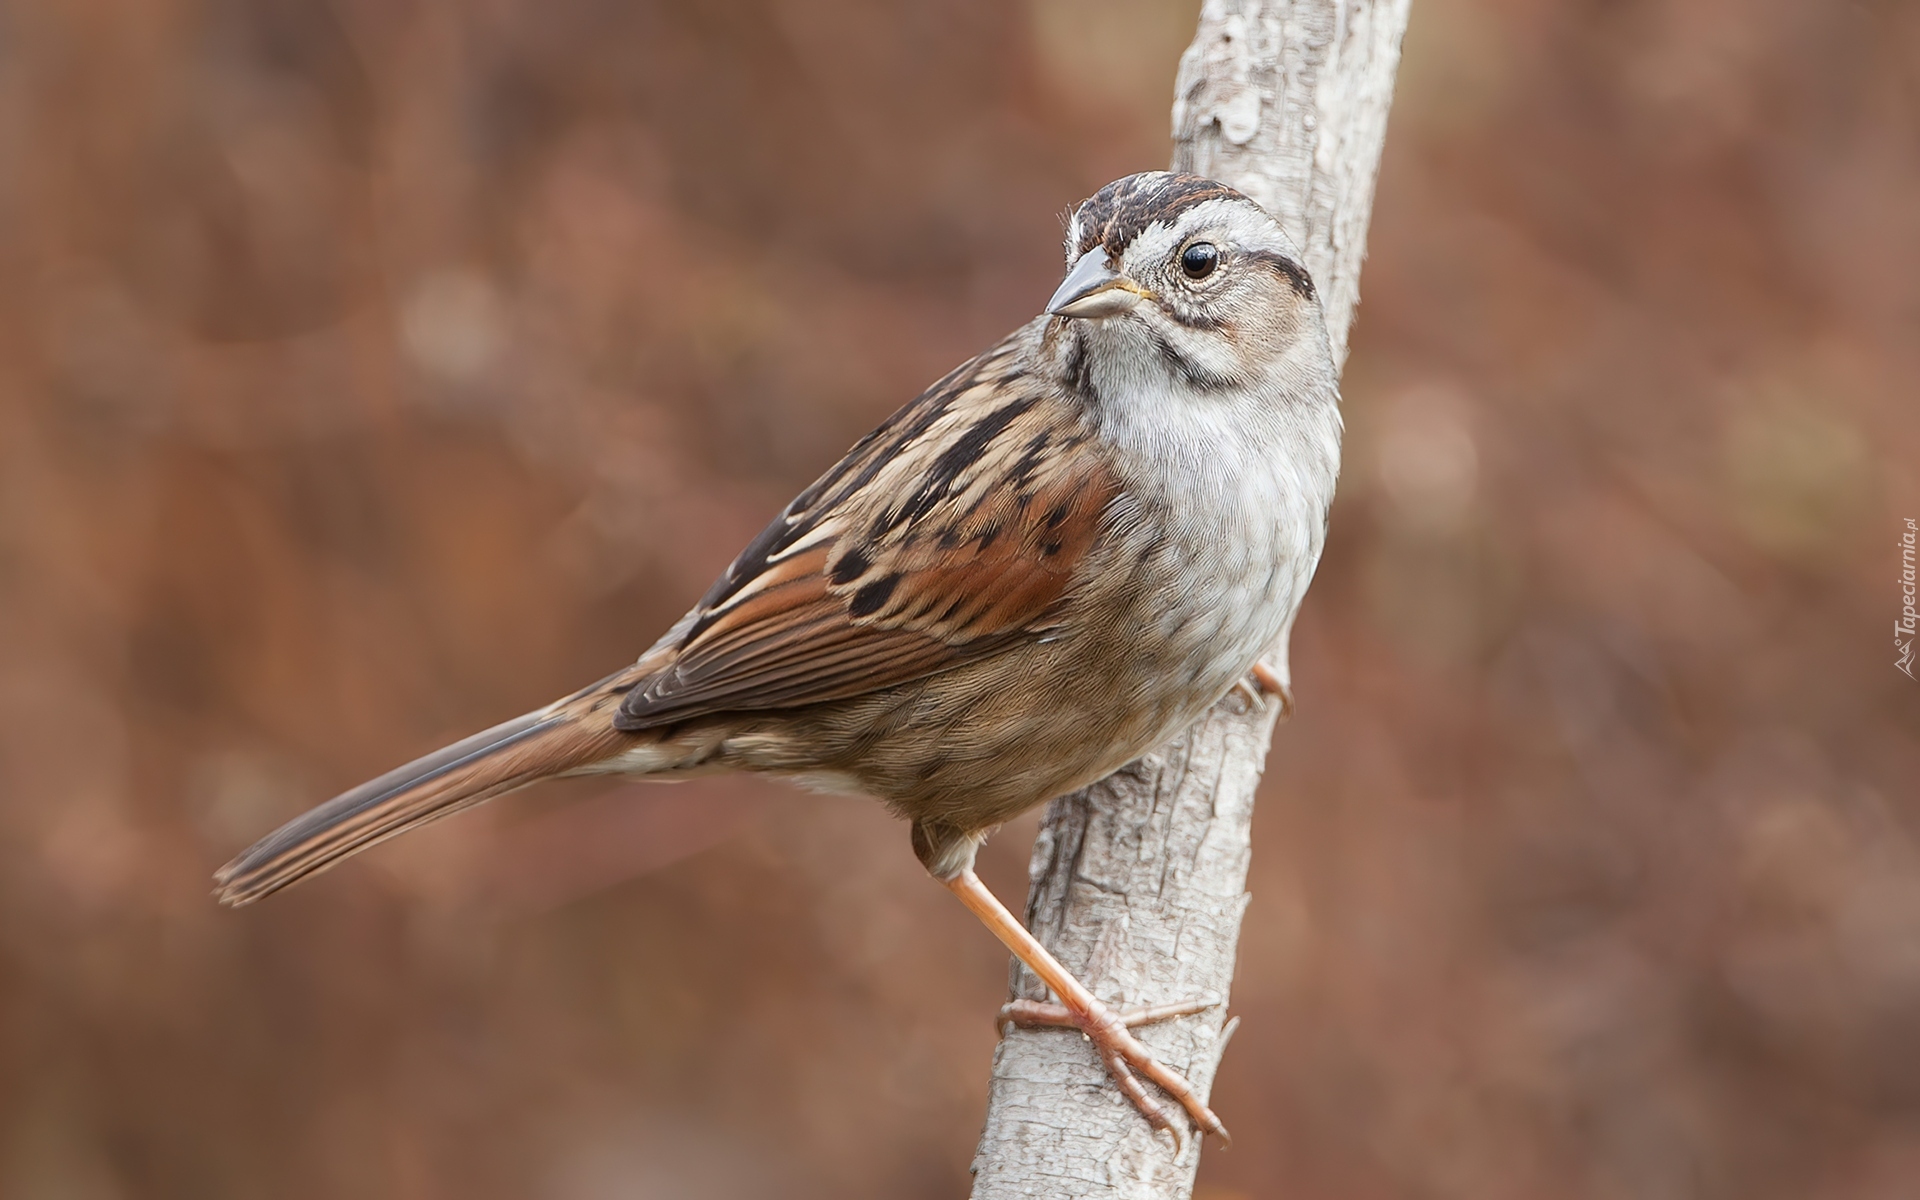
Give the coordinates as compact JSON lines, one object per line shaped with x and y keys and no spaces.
{"x":1094,"y":289}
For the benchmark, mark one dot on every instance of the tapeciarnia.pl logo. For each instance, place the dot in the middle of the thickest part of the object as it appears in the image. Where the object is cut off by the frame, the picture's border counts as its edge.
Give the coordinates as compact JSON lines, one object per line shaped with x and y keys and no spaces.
{"x":1903,"y":625}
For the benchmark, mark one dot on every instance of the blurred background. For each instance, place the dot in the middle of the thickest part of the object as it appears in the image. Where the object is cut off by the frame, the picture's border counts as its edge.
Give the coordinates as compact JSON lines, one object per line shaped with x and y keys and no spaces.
{"x":371,"y":371}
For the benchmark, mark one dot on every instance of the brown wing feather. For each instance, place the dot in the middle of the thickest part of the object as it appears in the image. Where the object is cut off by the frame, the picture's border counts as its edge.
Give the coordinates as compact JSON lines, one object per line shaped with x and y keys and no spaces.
{"x":959,"y":525}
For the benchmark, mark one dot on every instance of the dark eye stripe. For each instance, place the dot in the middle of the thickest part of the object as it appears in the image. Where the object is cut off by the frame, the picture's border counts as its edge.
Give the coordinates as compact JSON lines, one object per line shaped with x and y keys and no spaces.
{"x":1295,"y":273}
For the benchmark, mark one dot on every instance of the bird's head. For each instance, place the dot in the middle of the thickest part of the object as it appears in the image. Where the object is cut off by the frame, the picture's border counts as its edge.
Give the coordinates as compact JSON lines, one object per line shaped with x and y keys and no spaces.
{"x":1191,"y":274}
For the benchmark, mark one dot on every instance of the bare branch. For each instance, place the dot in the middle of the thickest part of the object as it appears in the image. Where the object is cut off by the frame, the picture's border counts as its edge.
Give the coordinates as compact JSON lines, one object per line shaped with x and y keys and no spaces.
{"x":1139,"y":882}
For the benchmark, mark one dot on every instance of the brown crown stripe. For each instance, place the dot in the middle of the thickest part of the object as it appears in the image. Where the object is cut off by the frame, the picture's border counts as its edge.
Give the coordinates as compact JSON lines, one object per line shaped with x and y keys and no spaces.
{"x":1118,"y":212}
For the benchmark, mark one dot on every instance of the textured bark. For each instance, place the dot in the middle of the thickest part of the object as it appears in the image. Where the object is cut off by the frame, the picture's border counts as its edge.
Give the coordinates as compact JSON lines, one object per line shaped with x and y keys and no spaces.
{"x":1139,"y":882}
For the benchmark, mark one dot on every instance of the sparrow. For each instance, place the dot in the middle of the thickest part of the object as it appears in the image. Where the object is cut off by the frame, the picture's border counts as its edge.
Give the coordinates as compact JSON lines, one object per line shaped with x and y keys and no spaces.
{"x":1053,"y":560}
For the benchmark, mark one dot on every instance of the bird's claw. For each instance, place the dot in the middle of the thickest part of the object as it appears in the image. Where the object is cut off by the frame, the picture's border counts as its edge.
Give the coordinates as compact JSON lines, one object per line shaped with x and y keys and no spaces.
{"x":1124,"y":1055}
{"x":1261,"y":682}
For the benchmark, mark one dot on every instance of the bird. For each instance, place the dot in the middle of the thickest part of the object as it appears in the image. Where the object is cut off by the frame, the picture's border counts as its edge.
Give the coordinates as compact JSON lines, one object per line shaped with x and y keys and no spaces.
{"x":1054,"y":559}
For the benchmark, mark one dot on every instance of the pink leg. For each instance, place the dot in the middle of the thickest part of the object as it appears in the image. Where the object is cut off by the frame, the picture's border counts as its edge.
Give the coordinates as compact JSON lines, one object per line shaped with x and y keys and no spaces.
{"x":1119,"y":1050}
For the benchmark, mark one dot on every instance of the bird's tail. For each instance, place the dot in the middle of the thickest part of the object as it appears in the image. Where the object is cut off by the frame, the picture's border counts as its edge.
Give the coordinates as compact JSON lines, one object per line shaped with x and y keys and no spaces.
{"x":553,"y":741}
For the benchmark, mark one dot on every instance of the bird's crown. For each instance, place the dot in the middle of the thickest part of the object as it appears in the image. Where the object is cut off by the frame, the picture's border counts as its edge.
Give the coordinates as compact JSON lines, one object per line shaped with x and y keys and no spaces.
{"x":1122,"y":210}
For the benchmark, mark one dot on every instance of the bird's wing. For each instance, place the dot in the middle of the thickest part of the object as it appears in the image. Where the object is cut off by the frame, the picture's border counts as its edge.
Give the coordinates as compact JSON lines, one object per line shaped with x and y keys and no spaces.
{"x":954,"y":529}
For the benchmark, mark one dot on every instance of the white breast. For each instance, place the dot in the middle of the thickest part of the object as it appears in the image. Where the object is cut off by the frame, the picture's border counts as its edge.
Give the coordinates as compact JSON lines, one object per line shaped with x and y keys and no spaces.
{"x":1246,"y":475}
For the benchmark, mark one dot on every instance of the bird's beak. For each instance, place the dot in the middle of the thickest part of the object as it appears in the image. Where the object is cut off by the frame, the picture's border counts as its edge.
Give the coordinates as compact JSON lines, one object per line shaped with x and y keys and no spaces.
{"x":1094,"y":289}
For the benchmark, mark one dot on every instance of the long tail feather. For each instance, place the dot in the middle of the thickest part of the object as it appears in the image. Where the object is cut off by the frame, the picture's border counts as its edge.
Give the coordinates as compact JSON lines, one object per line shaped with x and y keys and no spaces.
{"x":524,"y":750}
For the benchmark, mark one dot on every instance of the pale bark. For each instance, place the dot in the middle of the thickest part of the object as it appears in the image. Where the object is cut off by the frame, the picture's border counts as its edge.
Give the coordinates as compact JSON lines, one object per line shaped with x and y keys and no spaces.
{"x":1139,"y":882}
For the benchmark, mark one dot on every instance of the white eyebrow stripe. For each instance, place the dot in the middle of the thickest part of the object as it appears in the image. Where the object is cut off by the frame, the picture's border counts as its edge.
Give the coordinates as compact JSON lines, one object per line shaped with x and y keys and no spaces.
{"x":1241,"y":224}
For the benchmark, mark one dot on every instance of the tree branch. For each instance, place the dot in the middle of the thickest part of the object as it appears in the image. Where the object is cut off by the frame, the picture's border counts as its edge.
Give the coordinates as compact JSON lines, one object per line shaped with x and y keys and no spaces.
{"x":1138,"y":883}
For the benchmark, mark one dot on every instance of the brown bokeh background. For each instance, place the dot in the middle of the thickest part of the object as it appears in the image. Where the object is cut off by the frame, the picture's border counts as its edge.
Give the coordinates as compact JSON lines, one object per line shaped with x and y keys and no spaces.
{"x":372,"y":371}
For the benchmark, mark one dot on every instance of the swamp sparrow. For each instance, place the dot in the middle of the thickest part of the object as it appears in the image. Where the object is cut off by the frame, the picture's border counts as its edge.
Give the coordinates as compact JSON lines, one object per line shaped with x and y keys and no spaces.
{"x":1056,"y":558}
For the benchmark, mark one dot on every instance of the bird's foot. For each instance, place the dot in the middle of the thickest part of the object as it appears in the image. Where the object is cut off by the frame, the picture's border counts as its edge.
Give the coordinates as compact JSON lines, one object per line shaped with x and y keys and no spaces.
{"x":1037,"y":1014}
{"x":1124,"y":1055}
{"x":1119,"y":1050}
{"x":1261,"y":682}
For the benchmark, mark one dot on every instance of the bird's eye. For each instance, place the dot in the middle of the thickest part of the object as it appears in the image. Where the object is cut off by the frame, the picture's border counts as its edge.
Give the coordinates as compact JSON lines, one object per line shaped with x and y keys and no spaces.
{"x":1199,"y":260}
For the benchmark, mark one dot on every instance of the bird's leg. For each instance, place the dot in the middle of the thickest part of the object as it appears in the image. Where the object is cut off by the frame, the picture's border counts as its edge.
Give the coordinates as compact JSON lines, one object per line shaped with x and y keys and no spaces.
{"x":1119,"y":1050}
